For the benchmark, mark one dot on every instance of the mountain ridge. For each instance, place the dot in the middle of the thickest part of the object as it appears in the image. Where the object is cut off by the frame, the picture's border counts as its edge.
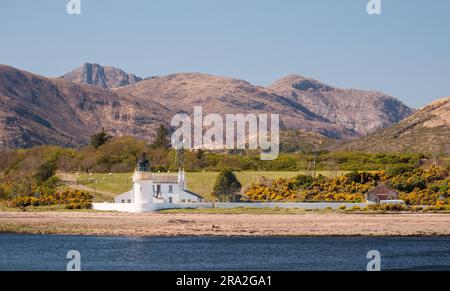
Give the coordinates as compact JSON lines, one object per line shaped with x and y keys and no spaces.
{"x":36,"y":110}
{"x":137,"y":108}
{"x":362,"y":111}
{"x":427,"y":130}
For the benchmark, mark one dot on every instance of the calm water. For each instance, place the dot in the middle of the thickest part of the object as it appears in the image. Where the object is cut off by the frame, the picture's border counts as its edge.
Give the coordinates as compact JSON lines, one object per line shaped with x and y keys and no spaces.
{"x":48,"y":252}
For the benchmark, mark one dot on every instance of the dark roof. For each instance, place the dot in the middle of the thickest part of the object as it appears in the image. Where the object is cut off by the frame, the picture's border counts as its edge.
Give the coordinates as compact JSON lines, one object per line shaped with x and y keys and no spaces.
{"x":192,"y":193}
{"x":380,"y":190}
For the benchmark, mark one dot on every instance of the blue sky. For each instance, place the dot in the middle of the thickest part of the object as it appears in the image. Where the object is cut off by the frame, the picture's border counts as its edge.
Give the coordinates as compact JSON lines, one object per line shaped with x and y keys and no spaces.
{"x":404,"y":52}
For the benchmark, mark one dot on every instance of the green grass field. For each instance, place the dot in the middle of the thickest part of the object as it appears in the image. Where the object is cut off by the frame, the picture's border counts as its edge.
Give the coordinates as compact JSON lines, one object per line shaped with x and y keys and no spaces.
{"x":198,"y":182}
{"x":116,"y":183}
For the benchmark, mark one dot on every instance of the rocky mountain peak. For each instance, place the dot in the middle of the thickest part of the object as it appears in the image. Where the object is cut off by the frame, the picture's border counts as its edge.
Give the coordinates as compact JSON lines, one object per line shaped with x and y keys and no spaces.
{"x":359,"y":111}
{"x":301,"y":83}
{"x":101,"y":76}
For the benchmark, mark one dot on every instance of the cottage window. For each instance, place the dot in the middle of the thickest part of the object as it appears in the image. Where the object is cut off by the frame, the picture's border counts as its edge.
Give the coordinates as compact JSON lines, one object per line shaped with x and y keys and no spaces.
{"x":170,"y":200}
{"x":183,"y":201}
{"x":170,"y":189}
{"x":123,"y":200}
{"x":129,"y":200}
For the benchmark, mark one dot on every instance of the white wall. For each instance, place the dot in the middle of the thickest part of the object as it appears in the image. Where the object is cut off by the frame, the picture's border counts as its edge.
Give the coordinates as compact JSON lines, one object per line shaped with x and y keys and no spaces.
{"x":127,"y":196}
{"x":186,"y":196}
{"x":312,"y":206}
{"x":148,"y":207}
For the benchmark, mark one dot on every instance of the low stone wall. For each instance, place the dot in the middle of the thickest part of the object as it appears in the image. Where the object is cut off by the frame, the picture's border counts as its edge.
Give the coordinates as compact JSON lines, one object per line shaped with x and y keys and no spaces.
{"x":121,"y":207}
{"x":312,"y":206}
{"x":149,"y":207}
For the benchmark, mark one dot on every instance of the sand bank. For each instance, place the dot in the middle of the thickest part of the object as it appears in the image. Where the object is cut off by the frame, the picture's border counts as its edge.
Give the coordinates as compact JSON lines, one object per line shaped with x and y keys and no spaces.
{"x":186,"y":224}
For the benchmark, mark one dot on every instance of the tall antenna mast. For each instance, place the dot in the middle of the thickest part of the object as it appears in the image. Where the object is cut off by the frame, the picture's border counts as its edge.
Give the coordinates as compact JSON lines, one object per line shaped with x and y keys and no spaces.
{"x":179,"y":156}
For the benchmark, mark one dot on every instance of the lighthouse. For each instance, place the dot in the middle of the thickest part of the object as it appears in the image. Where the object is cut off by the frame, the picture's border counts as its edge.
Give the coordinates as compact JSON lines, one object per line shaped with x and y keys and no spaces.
{"x":154,"y":191}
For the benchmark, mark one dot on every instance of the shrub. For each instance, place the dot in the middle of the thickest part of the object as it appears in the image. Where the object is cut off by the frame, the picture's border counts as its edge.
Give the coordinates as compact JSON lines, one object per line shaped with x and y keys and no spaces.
{"x":399,"y":170}
{"x":24,"y":201}
{"x":46,"y":171}
{"x":302,"y":181}
{"x":353,"y":177}
{"x":73,"y":199}
{"x":438,"y":208}
{"x":374,"y":207}
{"x":342,"y":207}
{"x":416,"y":208}
{"x":393,"y":207}
{"x":79,"y":205}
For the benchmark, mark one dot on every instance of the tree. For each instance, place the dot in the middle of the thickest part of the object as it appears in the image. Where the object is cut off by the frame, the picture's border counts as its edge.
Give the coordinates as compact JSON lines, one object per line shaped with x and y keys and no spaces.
{"x":161,"y":141}
{"x":45,"y":171}
{"x":66,"y":160}
{"x":100,"y":138}
{"x":7,"y":159}
{"x":302,"y":181}
{"x":226,"y":186}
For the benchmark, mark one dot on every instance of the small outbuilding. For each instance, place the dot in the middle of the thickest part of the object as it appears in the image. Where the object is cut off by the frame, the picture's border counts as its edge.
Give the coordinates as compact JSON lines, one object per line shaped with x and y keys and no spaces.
{"x":381,"y":193}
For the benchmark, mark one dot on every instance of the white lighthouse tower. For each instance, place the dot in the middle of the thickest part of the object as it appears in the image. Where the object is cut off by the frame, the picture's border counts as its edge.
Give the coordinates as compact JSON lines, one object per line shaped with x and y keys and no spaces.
{"x":154,"y":191}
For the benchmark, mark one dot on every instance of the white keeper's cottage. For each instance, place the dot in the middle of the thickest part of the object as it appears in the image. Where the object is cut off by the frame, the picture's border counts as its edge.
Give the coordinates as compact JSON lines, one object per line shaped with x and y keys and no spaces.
{"x":153,"y":191}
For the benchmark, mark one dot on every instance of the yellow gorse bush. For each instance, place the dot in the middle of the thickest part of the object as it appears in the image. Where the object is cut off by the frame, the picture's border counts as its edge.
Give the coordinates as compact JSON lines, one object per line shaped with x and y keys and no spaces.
{"x":415,"y":187}
{"x":72,"y":199}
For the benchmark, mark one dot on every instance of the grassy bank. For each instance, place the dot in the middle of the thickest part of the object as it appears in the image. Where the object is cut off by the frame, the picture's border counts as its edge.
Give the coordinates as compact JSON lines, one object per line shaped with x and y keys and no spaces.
{"x":198,"y":182}
{"x":245,"y":210}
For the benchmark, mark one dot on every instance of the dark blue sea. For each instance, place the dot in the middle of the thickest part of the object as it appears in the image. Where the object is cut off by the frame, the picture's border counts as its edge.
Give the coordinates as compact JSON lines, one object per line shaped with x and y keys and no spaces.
{"x":48,"y":252}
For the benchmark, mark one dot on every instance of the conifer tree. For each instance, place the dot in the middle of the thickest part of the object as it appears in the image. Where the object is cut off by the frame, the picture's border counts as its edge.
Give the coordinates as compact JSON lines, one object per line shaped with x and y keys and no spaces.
{"x":226,"y":186}
{"x":161,"y":141}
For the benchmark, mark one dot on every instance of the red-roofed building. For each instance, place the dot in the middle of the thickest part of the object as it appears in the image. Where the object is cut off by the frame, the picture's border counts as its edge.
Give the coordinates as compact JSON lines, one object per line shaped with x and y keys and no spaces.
{"x":381,"y":193}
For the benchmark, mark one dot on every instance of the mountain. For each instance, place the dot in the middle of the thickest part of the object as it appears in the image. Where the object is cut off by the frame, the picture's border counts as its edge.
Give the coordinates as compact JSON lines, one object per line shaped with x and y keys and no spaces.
{"x":426,"y":131}
{"x":302,"y":103}
{"x":101,"y":76}
{"x":66,"y":111}
{"x":181,"y":92}
{"x":359,"y":111}
{"x":35,"y":110}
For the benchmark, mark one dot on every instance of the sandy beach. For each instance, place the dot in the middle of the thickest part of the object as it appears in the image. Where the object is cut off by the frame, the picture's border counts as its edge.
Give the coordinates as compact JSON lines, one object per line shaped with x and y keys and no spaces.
{"x":174,"y":224}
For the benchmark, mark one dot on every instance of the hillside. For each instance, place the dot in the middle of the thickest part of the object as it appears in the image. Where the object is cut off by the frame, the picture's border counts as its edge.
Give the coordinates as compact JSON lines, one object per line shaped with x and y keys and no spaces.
{"x":181,"y":92}
{"x":427,"y":130}
{"x":344,"y":113}
{"x":359,"y":111}
{"x":66,"y":111}
{"x":35,"y":110}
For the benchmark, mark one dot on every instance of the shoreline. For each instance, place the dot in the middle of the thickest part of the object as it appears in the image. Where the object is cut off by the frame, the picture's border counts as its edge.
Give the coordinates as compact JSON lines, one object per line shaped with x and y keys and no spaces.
{"x":226,"y":225}
{"x":226,"y":236}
